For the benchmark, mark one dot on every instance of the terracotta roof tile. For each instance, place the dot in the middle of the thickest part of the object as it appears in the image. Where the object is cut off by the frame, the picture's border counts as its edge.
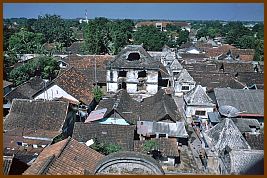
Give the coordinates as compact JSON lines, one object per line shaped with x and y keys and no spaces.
{"x":67,"y":157}
{"x":75,"y":83}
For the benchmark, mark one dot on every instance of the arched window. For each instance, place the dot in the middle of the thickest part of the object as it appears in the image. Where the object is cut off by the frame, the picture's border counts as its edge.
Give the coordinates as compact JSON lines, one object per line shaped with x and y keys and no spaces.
{"x":133,"y":57}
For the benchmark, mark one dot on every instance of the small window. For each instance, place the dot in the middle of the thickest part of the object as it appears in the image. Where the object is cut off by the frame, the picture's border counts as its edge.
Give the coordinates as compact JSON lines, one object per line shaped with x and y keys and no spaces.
{"x":122,"y":73}
{"x":200,"y":113}
{"x":133,"y":57}
{"x":142,"y":74}
{"x":122,"y":86}
{"x":175,"y":73}
{"x":186,"y":88}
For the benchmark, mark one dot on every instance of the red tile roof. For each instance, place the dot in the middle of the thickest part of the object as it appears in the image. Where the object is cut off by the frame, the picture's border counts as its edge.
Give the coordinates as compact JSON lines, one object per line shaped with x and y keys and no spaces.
{"x":67,"y":157}
{"x":76,"y":84}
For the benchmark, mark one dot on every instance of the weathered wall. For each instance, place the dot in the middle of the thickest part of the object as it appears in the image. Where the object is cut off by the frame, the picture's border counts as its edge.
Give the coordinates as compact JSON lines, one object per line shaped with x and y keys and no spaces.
{"x":190,"y":110}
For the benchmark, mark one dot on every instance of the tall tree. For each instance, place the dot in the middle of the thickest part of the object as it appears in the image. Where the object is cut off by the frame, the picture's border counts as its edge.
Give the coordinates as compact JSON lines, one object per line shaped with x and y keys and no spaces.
{"x":151,"y":38}
{"x":97,"y":37}
{"x":54,"y":29}
{"x":46,"y":66}
{"x":25,"y":42}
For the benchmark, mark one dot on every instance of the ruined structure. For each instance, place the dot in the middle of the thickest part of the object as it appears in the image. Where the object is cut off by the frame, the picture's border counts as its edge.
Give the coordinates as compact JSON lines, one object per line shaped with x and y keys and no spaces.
{"x":134,"y":70}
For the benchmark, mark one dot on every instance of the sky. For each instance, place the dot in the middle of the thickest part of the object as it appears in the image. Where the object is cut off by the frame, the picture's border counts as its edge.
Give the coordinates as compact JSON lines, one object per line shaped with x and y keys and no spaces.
{"x":168,"y":11}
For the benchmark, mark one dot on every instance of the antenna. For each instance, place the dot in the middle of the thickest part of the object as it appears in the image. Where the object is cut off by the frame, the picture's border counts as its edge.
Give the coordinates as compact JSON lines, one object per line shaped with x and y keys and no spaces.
{"x":86,"y":15}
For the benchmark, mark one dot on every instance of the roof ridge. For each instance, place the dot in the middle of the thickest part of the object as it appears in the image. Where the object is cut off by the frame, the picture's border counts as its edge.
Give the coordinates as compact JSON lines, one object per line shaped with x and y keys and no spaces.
{"x":46,"y":165}
{"x":64,"y":146}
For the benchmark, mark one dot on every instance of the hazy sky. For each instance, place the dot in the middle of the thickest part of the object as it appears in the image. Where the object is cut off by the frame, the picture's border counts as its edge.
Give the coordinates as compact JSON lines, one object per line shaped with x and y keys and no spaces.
{"x":171,"y":11}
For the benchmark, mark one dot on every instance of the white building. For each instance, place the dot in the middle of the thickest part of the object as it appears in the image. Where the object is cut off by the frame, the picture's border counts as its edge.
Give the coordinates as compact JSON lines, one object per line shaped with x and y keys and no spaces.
{"x":198,"y":103}
{"x":134,"y":70}
{"x":183,"y":83}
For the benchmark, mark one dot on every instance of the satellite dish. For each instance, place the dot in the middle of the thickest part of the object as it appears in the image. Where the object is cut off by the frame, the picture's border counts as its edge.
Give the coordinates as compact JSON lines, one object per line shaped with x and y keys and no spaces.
{"x":228,"y":111}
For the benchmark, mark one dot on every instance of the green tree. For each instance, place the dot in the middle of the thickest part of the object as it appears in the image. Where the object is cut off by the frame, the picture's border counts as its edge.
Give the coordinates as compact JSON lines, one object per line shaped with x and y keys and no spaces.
{"x":246,"y":42}
{"x":98,"y":93}
{"x":150,"y":145}
{"x":46,"y":67}
{"x":97,"y":37}
{"x":7,"y":33}
{"x":105,"y":148}
{"x":259,"y":50}
{"x":25,"y":42}
{"x":54,"y":29}
{"x":151,"y":38}
{"x":183,"y":37}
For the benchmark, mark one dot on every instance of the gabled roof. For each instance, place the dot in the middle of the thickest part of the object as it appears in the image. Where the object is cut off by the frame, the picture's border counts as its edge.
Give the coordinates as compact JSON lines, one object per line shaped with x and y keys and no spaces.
{"x":246,"y":101}
{"x":32,"y":114}
{"x":122,"y":135}
{"x":167,"y":146}
{"x":27,"y":89}
{"x":155,"y":108}
{"x":184,"y":76}
{"x":123,"y":104}
{"x":145,"y":61}
{"x":67,"y":157}
{"x":76,"y":84}
{"x":225,"y":134}
{"x":175,"y":65}
{"x":216,"y":80}
{"x":245,"y":162}
{"x":198,"y":97}
{"x":159,"y":107}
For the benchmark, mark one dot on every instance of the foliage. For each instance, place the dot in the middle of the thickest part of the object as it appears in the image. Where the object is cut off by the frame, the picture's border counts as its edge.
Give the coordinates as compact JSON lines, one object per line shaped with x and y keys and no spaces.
{"x":105,"y":148}
{"x":25,"y":42}
{"x":54,"y":29}
{"x":103,"y":36}
{"x":59,"y":138}
{"x":97,"y":37}
{"x":150,"y":145}
{"x":46,"y":67}
{"x":97,"y":93}
{"x":183,"y":37}
{"x":151,"y":38}
{"x":9,"y":60}
{"x":7,"y":33}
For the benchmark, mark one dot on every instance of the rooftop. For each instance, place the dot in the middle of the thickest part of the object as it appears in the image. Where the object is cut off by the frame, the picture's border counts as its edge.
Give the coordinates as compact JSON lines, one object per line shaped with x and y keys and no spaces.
{"x":246,"y":101}
{"x":67,"y":157}
{"x":33,"y":114}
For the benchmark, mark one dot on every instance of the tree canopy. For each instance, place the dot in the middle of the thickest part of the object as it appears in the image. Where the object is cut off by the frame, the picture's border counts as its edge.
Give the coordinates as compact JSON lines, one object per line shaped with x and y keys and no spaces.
{"x":151,"y":38}
{"x":25,"y":42}
{"x":44,"y":66}
{"x":54,"y":29}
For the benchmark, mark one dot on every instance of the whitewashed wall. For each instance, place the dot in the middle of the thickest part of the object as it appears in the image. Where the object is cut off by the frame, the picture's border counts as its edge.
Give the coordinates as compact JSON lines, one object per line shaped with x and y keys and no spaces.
{"x":55,"y":92}
{"x":190,"y":110}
